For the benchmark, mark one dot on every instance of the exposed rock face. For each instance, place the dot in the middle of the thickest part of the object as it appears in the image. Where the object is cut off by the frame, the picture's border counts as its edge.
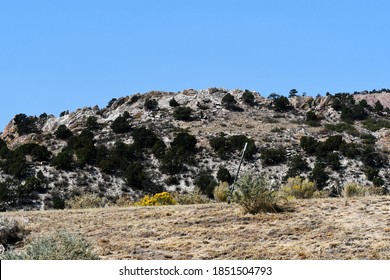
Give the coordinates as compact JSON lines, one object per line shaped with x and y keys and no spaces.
{"x":210,"y":118}
{"x":372,"y":98}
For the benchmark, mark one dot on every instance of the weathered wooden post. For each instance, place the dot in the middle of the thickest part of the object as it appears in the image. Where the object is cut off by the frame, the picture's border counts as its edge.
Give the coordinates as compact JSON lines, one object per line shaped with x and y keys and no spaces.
{"x":231,"y":187}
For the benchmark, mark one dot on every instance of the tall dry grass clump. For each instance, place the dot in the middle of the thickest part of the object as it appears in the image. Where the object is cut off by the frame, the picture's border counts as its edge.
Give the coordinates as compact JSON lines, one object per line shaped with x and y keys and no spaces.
{"x":255,"y":196}
{"x":85,"y":201}
{"x":221,"y":192}
{"x":296,"y":187}
{"x":193,"y":197}
{"x":355,"y":190}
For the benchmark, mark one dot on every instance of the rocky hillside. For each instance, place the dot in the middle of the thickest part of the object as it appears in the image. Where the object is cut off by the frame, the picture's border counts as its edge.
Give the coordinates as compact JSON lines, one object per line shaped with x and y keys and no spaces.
{"x":147,"y":143}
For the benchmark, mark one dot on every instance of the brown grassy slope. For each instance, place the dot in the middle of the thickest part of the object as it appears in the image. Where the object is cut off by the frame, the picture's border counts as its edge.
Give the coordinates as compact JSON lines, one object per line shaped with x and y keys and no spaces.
{"x":316,"y":229}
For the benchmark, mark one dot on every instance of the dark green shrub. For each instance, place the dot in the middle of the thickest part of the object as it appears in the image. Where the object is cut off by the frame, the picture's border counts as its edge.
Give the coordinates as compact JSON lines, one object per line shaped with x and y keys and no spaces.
{"x":64,"y":113}
{"x":222,"y":146}
{"x":64,"y":160}
{"x":15,"y":165}
{"x":4,"y":151}
{"x":319,"y":176}
{"x":368,"y":138}
{"x":134,"y":99}
{"x":353,"y":112}
{"x":378,"y":107}
{"x":62,"y":132}
{"x":312,"y":119}
{"x":84,"y":147}
{"x":111,"y":102}
{"x":230,"y":103}
{"x":280,"y":103}
{"x":297,"y":165}
{"x":225,"y":146}
{"x":7,"y":194}
{"x":120,"y":125}
{"x":206,"y":183}
{"x":350,"y":150}
{"x":333,"y":160}
{"x":172,"y":180}
{"x":173,"y":103}
{"x":309,"y":144}
{"x":135,"y":176}
{"x":372,"y":158}
{"x":150,"y":104}
{"x":183,"y":114}
{"x":159,"y":148}
{"x":273,"y":156}
{"x":333,"y":143}
{"x":92,"y":123}
{"x":57,"y":201}
{"x":184,"y":143}
{"x":376,"y":124}
{"x":144,"y":137}
{"x":248,"y":97}
{"x":223,"y":175}
{"x":343,"y":127}
{"x":24,"y":124}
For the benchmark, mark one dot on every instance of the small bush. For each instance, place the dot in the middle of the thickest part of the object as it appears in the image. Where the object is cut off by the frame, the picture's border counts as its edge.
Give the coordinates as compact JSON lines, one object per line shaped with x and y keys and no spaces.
{"x":221,"y":192}
{"x":194,"y":197}
{"x":223,"y":175}
{"x":59,"y":246}
{"x":92,"y":123}
{"x":158,"y":199}
{"x":248,"y":97}
{"x":274,"y":156}
{"x":24,"y":124}
{"x":206,"y":183}
{"x":63,"y":132}
{"x":150,"y":104}
{"x":11,"y":231}
{"x":343,"y":127}
{"x":375,"y":125}
{"x":183,"y":114}
{"x":85,"y":201}
{"x":173,"y":103}
{"x":124,"y":201}
{"x":120,"y":125}
{"x":298,"y":188}
{"x":255,"y":196}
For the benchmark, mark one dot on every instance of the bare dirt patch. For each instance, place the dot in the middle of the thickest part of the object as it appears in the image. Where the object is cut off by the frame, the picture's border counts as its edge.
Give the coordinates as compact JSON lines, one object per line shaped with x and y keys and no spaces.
{"x":315,"y":229}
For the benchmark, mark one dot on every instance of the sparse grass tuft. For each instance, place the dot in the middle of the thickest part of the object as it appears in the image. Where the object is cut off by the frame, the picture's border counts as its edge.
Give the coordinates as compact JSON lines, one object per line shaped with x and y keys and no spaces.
{"x":194,"y":197}
{"x":356,"y":190}
{"x":60,"y":246}
{"x":85,"y":201}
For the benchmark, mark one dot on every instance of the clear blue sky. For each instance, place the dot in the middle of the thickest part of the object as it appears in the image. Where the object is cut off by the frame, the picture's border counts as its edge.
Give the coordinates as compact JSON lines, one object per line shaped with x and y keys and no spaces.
{"x":61,"y":55}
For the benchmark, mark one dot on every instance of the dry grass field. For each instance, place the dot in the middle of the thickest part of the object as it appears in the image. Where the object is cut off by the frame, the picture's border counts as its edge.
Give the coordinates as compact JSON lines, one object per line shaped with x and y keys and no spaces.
{"x":313,"y":229}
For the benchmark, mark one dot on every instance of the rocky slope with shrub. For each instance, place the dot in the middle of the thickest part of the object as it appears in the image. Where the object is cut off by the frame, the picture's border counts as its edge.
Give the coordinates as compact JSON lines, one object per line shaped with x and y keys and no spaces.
{"x":157,"y":141}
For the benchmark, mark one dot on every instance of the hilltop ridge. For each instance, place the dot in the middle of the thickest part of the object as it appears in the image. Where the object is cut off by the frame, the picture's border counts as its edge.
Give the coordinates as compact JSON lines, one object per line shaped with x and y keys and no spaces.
{"x":175,"y":141}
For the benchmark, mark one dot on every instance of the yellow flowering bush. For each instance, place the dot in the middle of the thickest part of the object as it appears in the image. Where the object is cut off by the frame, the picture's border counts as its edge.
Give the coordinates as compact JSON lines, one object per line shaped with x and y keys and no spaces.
{"x":158,"y":199}
{"x":298,"y":188}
